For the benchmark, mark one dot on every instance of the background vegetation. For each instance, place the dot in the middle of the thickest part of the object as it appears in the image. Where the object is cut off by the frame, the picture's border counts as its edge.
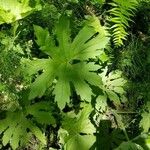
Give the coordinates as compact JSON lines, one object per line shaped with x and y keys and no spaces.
{"x":75,"y":75}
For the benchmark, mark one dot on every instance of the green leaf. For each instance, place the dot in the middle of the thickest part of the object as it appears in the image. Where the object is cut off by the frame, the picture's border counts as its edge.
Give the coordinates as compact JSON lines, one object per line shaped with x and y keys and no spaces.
{"x":42,"y":83}
{"x":17,"y":126}
{"x":101,"y":103}
{"x":145,"y":122}
{"x":12,"y":10}
{"x":62,"y":90}
{"x":143,"y":140}
{"x":8,"y":133}
{"x":2,"y":87}
{"x":77,"y":132}
{"x":113,"y":85}
{"x":119,"y":90}
{"x":37,"y":132}
{"x":62,"y":65}
{"x":80,"y":142}
{"x":98,"y":1}
{"x":41,"y":111}
{"x":113,"y":97}
{"x":18,"y":133}
{"x":129,"y":146}
{"x":120,"y":16}
{"x":44,"y":40}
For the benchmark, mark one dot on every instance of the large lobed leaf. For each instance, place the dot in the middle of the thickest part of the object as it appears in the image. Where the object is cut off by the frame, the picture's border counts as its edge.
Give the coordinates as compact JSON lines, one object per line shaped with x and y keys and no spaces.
{"x":77,"y":130}
{"x":61,"y":65}
{"x":17,"y":127}
{"x":12,"y":10}
{"x":113,"y":85}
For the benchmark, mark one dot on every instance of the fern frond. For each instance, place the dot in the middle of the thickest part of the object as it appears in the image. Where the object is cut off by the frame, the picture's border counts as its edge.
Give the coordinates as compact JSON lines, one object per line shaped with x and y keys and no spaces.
{"x":121,"y":14}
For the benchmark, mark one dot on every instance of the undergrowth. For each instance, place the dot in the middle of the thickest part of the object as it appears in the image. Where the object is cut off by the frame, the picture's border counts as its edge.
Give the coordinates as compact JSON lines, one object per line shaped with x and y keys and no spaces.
{"x":74,"y":75}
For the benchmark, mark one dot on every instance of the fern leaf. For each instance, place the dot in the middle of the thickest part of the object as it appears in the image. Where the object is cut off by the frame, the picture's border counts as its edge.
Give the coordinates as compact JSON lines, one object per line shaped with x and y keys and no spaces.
{"x":91,"y":39}
{"x":121,"y":15}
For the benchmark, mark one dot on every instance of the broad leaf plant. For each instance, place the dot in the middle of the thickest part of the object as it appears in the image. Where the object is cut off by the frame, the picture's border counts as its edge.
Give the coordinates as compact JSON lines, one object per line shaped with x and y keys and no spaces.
{"x":13,"y":10}
{"x":17,"y":127}
{"x":67,"y":61}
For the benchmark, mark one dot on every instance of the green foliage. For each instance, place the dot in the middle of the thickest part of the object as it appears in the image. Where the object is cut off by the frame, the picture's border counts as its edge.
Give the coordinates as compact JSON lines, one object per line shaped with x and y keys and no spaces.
{"x":130,"y":146}
{"x":133,"y":62}
{"x":101,"y":103}
{"x":12,"y":10}
{"x":145,"y":121}
{"x":67,"y":60}
{"x":143,"y":140}
{"x":17,"y":127}
{"x":133,"y":59}
{"x":77,"y":130}
{"x":143,"y":17}
{"x":10,"y":55}
{"x":121,"y":14}
{"x":73,"y":1}
{"x":98,"y":2}
{"x":113,"y":86}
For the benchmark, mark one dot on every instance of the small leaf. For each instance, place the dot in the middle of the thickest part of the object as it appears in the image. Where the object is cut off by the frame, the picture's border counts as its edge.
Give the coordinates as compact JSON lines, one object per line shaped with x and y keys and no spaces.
{"x":113,"y":97}
{"x":113,"y":85}
{"x":77,"y":132}
{"x":101,"y":103}
{"x":80,"y":142}
{"x":37,"y":132}
{"x":41,"y":111}
{"x":119,"y":90}
{"x":129,"y":146}
{"x":145,"y":122}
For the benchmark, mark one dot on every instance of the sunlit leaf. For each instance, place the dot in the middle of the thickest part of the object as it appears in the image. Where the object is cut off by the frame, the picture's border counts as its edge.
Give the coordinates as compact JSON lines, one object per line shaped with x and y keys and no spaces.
{"x":67,"y":60}
{"x":77,"y":130}
{"x":12,"y":10}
